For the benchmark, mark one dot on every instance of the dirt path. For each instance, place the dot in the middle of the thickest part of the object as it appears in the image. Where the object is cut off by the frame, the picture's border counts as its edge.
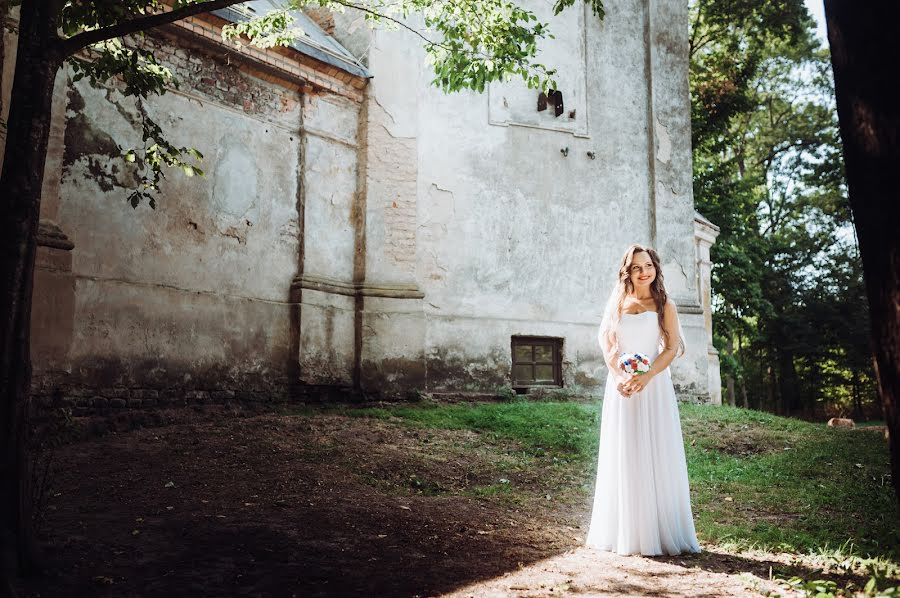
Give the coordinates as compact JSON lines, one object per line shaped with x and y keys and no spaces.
{"x":587,"y":572}
{"x":336,"y":506}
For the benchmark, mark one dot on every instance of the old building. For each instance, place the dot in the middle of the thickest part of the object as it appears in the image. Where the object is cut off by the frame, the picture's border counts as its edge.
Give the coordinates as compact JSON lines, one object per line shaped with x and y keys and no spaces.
{"x":358,"y":229}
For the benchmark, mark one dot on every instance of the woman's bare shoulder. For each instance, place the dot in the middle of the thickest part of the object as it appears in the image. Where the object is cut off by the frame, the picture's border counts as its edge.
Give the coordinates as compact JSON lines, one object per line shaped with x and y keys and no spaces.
{"x":670,"y":308}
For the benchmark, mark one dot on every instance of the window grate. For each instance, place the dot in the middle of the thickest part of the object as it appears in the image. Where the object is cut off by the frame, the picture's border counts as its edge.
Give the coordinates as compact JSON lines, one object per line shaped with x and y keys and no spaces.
{"x":536,"y":361}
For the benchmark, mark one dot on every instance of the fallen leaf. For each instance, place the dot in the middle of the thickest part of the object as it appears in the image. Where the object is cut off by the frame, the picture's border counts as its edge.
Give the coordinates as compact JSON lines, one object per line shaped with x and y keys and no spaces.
{"x":169,"y":485}
{"x":729,"y":499}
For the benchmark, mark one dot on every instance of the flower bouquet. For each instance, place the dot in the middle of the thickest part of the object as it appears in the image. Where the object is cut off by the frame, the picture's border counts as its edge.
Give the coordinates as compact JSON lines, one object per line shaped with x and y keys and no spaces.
{"x":634,"y":363}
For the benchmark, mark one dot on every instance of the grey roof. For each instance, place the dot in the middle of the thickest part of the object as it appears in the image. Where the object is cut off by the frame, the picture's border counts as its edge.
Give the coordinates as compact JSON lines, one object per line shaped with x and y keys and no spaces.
{"x":314,"y":42}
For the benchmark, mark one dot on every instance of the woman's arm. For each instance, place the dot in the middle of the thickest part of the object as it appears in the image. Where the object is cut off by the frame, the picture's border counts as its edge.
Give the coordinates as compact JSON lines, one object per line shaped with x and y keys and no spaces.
{"x":612,"y":362}
{"x":636,"y":383}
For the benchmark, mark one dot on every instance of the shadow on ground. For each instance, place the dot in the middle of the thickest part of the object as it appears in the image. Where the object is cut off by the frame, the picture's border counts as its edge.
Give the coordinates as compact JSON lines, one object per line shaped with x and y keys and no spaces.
{"x":277,"y":506}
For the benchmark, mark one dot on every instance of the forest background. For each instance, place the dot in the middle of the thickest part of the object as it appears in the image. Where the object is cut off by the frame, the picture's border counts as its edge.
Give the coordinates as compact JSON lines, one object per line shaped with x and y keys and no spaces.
{"x":790,"y":316}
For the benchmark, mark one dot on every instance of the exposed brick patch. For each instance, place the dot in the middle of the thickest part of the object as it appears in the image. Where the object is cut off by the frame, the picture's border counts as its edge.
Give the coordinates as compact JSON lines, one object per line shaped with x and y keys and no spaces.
{"x":294,"y":66}
{"x":221,"y":80}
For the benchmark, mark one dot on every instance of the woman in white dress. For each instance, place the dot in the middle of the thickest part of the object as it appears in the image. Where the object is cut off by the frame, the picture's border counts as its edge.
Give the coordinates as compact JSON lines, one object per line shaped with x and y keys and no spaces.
{"x":642,"y":501}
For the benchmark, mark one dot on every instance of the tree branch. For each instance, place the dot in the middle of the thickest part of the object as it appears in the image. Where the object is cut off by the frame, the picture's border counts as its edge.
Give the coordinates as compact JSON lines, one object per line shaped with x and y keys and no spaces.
{"x":389,"y":18}
{"x":87,"y":38}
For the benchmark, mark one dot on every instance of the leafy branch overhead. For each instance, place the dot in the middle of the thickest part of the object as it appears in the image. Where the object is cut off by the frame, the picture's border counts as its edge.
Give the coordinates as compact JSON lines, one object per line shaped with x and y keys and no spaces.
{"x":469,"y":44}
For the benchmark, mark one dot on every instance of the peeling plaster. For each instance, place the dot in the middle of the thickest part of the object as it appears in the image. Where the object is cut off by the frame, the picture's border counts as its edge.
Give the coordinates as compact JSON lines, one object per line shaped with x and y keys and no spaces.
{"x":663,"y":143}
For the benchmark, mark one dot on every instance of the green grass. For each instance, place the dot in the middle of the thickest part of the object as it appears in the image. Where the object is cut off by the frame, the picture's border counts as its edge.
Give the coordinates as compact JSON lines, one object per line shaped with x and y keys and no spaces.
{"x":794,"y":486}
{"x":561,"y":429}
{"x":757,"y":480}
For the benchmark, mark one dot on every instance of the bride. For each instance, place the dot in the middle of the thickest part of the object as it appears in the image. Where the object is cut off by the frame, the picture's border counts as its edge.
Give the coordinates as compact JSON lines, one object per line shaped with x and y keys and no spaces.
{"x":641,"y":501}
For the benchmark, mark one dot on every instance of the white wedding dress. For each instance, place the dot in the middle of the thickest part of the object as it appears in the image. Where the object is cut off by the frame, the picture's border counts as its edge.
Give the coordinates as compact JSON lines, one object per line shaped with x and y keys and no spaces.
{"x":642,"y":502}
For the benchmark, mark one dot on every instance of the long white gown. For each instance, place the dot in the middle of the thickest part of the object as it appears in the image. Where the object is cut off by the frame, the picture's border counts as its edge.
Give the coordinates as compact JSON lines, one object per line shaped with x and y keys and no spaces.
{"x":642,"y":502}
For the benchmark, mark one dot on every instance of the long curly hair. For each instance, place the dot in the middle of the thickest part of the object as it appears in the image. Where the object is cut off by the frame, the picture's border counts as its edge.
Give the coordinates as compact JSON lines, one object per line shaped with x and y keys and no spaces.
{"x":624,"y":287}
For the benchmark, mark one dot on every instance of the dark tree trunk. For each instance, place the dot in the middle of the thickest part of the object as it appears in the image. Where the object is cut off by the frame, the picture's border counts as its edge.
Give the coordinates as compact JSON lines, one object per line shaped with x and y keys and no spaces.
{"x":4,"y":11}
{"x":865,"y":51}
{"x":28,"y":130}
{"x":857,"y":397}
{"x":729,"y":379}
{"x":788,"y":388}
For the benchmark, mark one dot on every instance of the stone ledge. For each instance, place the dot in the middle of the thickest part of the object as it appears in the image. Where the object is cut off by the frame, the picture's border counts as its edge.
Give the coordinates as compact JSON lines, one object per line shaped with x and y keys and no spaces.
{"x":51,"y":235}
{"x":351,"y":289}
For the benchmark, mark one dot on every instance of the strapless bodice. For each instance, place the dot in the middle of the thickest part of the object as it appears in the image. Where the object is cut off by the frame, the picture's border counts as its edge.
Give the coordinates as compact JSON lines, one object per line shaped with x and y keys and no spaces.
{"x":639,"y":333}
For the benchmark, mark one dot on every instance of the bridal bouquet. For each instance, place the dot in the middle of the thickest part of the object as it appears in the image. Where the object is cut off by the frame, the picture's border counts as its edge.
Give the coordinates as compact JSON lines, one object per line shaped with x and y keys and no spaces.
{"x":634,"y":363}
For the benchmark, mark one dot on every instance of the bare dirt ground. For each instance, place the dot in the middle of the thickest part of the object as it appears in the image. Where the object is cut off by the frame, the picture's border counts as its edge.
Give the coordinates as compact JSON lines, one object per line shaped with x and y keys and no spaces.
{"x":278,"y":505}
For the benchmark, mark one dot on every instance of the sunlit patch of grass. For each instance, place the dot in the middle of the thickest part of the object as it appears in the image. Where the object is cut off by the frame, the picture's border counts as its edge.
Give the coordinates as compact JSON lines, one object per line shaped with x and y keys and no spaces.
{"x":564,"y":430}
{"x":802,"y":486}
{"x":491,"y":490}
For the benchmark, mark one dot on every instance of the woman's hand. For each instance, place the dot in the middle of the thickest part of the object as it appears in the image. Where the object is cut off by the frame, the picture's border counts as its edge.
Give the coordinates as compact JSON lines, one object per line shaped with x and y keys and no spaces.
{"x":620,"y":386}
{"x":636,"y":383}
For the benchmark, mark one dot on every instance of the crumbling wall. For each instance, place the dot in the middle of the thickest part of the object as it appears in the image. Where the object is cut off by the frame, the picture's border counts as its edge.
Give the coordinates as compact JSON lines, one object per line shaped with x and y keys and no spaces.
{"x":522,"y":214}
{"x":190,"y":301}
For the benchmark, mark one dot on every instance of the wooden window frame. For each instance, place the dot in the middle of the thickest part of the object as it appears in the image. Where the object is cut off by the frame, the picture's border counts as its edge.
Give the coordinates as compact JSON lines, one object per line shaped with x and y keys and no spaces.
{"x":556,"y":345}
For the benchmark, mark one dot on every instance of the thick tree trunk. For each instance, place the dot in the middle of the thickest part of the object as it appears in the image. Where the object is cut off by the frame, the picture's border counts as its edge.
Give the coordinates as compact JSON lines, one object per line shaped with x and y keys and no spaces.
{"x":865,"y":51}
{"x":28,"y":130}
{"x":4,"y":11}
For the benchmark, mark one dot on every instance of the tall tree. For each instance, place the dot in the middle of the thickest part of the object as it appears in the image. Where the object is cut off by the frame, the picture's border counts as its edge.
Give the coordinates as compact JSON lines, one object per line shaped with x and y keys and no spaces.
{"x":767,"y":169}
{"x":864,"y":55}
{"x":469,"y":43}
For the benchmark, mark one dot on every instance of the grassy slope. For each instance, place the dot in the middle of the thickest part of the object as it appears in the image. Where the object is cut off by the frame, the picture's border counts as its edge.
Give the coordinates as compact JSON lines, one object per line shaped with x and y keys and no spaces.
{"x":756,"y":479}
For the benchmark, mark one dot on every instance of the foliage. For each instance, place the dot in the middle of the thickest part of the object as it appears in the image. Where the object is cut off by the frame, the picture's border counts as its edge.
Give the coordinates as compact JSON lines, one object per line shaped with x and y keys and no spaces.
{"x":789,"y":306}
{"x":469,"y":43}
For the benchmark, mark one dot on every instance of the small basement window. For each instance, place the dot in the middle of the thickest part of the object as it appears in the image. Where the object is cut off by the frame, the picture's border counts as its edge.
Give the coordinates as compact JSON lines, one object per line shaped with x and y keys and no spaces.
{"x":537,"y":361}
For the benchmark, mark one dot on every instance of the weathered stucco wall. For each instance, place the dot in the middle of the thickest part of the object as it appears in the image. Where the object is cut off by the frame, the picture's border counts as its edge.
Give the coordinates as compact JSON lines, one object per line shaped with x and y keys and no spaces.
{"x":327,"y":321}
{"x":517,"y":230}
{"x":194,"y":294}
{"x":391,"y":245}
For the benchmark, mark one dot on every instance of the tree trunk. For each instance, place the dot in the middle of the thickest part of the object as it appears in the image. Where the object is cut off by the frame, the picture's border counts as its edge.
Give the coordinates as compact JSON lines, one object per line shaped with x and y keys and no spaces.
{"x":742,"y":378}
{"x":788,"y":387}
{"x":729,"y":379}
{"x":865,"y":52}
{"x":857,"y":397}
{"x":4,"y":11}
{"x":28,"y":130}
